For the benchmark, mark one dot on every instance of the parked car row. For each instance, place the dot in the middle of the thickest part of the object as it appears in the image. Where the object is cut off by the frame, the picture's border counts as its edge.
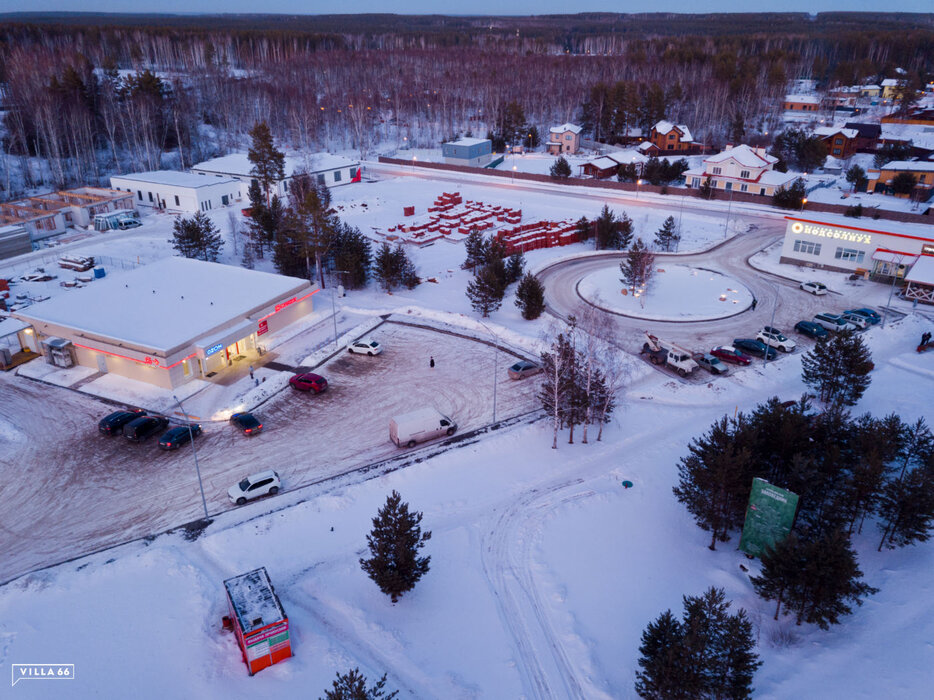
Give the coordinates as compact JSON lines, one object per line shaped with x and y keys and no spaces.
{"x":135,"y":425}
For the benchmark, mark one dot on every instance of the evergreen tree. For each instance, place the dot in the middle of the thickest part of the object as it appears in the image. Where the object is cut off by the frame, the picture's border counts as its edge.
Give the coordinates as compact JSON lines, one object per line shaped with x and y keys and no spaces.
{"x":383,"y":268}
{"x":350,"y":252}
{"x":405,"y":268}
{"x":289,"y":249}
{"x":637,"y":267}
{"x":906,"y":507}
{"x":561,"y":170}
{"x":627,"y":172}
{"x":903,"y":183}
{"x":530,"y":297}
{"x":476,"y":247}
{"x":660,"y":663}
{"x":248,"y":261}
{"x":311,"y":202}
{"x":612,"y":232}
{"x":533,"y":139}
{"x":394,"y":543}
{"x":666,"y":234}
{"x":715,"y":479}
{"x":558,"y":371}
{"x":268,"y":163}
{"x":838,"y":369}
{"x":706,"y":189}
{"x":790,"y":197}
{"x":584,"y":229}
{"x":197,"y":237}
{"x":352,"y":686}
{"x":514,"y":266}
{"x":782,"y":567}
{"x":486,"y":290}
{"x":856,"y":176}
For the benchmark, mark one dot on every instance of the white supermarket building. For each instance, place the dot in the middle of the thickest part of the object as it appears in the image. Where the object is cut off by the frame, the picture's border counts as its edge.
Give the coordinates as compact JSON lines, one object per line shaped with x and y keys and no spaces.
{"x":169,"y":322}
{"x":879,"y":252}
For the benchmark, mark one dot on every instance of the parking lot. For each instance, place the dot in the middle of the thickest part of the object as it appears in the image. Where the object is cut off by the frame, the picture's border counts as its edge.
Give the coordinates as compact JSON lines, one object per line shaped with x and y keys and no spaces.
{"x":68,"y":490}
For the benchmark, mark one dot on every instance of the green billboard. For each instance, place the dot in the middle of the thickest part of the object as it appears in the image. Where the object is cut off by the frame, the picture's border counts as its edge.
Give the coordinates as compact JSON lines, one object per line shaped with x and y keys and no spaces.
{"x":769,"y":517}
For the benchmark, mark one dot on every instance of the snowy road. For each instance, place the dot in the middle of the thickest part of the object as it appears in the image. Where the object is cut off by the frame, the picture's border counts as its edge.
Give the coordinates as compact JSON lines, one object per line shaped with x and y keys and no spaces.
{"x":68,"y":490}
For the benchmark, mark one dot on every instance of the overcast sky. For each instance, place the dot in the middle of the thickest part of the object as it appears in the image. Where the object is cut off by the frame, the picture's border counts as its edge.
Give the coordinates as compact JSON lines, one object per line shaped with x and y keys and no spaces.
{"x":472,"y":7}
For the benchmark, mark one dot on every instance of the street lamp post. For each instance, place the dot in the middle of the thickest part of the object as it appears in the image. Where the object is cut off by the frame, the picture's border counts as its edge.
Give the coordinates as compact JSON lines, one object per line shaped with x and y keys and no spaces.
{"x":495,"y":364}
{"x":334,"y":305}
{"x":514,"y":174}
{"x":638,"y":187}
{"x":194,"y":452}
{"x":804,"y":200}
{"x":680,"y":217}
{"x":414,"y":158}
{"x":771,"y":321}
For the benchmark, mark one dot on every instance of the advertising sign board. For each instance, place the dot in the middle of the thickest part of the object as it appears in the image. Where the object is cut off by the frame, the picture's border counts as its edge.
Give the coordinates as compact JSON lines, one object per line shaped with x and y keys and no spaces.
{"x":769,"y":517}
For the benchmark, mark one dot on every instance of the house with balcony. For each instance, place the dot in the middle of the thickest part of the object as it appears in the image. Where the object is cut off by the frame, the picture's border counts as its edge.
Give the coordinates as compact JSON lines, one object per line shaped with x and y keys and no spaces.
{"x":564,"y":139}
{"x":742,"y":169}
{"x":673,"y":139}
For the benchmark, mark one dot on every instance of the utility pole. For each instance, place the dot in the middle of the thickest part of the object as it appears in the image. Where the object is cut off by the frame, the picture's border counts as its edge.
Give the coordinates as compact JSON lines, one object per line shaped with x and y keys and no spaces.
{"x":194,"y":452}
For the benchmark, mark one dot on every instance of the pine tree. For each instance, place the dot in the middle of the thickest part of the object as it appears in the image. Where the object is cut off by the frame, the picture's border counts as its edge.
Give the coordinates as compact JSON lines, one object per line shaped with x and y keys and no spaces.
{"x":514,"y":266}
{"x":289,"y":248}
{"x":532,"y":140}
{"x":661,"y":659}
{"x":838,"y":369}
{"x":352,"y":686}
{"x":715,"y":478}
{"x":394,"y":543}
{"x":666,"y":234}
{"x":790,"y":197}
{"x":311,"y":202}
{"x":405,"y":268}
{"x":856,"y":176}
{"x":476,"y":248}
{"x":486,"y":290}
{"x":530,"y":297}
{"x":584,"y":229}
{"x":248,"y":260}
{"x":627,"y":172}
{"x":906,"y":507}
{"x":706,"y":189}
{"x":613,"y":233}
{"x":268,"y":163}
{"x":782,"y":567}
{"x":383,"y":267}
{"x":197,"y":237}
{"x":561,"y":170}
{"x":350,"y":252}
{"x":637,"y":268}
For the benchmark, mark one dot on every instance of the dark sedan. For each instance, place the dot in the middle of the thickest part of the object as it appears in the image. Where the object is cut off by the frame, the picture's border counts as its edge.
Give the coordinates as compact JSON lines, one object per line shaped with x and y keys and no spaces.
{"x":113,"y":424}
{"x":731,"y":354}
{"x":755,"y":347}
{"x":246,"y":423}
{"x":178,"y":436}
{"x":144,"y":427}
{"x":811,"y":330}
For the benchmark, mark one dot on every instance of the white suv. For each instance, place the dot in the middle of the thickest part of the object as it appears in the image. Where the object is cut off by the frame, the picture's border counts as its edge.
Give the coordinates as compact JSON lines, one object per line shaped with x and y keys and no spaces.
{"x":365,"y":346}
{"x":814,"y":287}
{"x":254,"y":486}
{"x":776,"y":339}
{"x":832,"y":322}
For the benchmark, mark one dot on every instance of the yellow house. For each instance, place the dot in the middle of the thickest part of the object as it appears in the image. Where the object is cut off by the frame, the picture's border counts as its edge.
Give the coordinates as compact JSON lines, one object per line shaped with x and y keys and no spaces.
{"x":880,"y":180}
{"x":891,"y":87}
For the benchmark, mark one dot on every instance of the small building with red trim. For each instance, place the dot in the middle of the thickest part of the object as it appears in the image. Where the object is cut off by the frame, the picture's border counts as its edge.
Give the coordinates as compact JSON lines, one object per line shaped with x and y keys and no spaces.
{"x":258,"y":620}
{"x":170,"y":322}
{"x":882,"y":253}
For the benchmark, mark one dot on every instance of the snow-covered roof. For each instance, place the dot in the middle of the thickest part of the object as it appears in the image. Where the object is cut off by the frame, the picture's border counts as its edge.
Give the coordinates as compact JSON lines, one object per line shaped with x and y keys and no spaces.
{"x":920,"y":135}
{"x":833,"y":130}
{"x":603,"y":163}
{"x":573,"y":128}
{"x":165,"y":305}
{"x":239,"y":165}
{"x":744,"y":155}
{"x":893,"y":256}
{"x":890,"y":82}
{"x":628,"y":156}
{"x":172,"y":178}
{"x":9,"y":326}
{"x":254,"y":601}
{"x":664,"y":127}
{"x":467,"y":142}
{"x":922,"y":271}
{"x":774,"y":177}
{"x":915,"y":165}
{"x":645,"y":145}
{"x":870,"y":87}
{"x":803,"y":99}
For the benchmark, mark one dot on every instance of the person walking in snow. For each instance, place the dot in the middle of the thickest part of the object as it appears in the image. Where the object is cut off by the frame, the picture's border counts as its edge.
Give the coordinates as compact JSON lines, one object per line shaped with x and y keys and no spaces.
{"x":251,"y":371}
{"x":431,"y":362}
{"x":754,"y":302}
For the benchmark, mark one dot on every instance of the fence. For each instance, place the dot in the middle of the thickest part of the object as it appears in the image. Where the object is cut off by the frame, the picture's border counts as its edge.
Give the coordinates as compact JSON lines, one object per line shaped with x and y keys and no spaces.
{"x":905,"y":217}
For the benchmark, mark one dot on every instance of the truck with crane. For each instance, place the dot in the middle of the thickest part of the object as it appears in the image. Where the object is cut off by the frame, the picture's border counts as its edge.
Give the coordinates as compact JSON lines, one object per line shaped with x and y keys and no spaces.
{"x":664,"y":352}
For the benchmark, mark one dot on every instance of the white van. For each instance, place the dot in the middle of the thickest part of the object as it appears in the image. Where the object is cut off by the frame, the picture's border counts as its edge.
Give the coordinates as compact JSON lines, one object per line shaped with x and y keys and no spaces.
{"x":419,"y":426}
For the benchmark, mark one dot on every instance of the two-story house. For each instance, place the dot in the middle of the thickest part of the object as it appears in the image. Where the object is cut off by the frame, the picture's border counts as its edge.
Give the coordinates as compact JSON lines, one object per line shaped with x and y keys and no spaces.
{"x":840,"y":142}
{"x":564,"y":139}
{"x":740,"y":168}
{"x":671,"y":138}
{"x":867,"y":136}
{"x":880,"y":179}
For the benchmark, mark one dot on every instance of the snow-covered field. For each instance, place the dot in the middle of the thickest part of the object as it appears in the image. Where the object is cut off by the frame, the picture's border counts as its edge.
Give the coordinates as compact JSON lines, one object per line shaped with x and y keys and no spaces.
{"x":544,"y":569}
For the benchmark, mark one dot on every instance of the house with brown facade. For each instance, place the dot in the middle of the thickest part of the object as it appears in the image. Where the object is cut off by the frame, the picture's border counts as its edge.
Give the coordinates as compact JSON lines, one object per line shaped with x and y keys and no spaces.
{"x":801,"y":103}
{"x":867,"y":136}
{"x":840,"y":142}
{"x":672,"y":139}
{"x":564,"y":139}
{"x":923,"y":116}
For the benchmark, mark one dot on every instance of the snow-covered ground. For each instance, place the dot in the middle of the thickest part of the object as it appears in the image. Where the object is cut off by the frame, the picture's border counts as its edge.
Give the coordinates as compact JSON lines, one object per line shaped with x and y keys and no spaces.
{"x":544,"y":569}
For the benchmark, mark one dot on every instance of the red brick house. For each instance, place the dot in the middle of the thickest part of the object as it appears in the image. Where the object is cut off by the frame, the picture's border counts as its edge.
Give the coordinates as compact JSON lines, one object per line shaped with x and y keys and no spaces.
{"x":672,"y":139}
{"x":840,"y":142}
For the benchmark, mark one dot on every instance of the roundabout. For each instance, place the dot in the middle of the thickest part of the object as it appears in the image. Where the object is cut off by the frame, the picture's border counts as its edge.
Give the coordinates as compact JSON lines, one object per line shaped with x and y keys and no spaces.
{"x":677,"y":292}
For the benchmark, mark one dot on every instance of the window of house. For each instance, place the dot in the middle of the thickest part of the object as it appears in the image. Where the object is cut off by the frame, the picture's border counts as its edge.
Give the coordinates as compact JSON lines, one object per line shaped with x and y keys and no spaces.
{"x":744,"y":173}
{"x":353,"y":173}
{"x":671,"y":136}
{"x":695,"y":182}
{"x":140,"y":193}
{"x":225,"y":200}
{"x":150,"y":196}
{"x":836,"y":151}
{"x":849,"y":254}
{"x":762,"y":191}
{"x":744,"y":187}
{"x":320,"y":178}
{"x":717,"y":171}
{"x":807,"y":247}
{"x":728,"y":185}
{"x":568,"y":137}
{"x":838,"y":142}
{"x":176,"y":200}
{"x":337,"y":176}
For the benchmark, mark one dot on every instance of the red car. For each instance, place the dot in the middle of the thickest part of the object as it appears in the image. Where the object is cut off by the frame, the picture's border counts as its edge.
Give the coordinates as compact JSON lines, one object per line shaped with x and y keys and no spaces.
{"x":728,"y":353}
{"x":309,"y":382}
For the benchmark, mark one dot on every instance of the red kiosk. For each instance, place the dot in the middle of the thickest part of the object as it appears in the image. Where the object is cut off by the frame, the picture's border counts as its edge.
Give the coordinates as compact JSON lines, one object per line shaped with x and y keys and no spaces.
{"x":258,"y":619}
